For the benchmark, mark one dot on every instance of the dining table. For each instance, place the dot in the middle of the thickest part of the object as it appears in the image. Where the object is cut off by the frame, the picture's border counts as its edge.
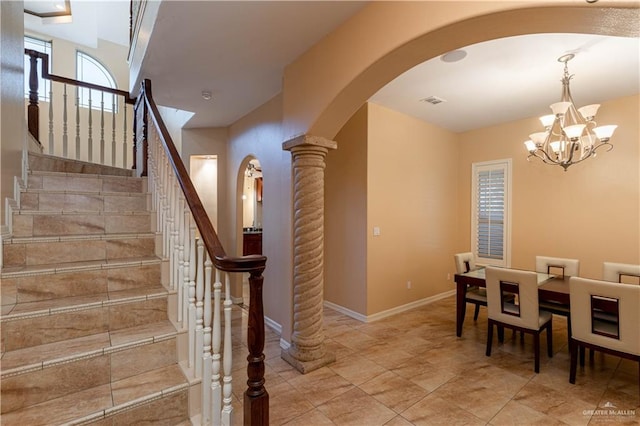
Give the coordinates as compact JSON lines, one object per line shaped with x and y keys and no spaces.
{"x":553,"y":293}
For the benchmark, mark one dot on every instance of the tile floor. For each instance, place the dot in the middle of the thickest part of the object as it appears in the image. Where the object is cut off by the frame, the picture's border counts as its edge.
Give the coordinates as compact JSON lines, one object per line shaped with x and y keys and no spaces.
{"x":411,"y":369}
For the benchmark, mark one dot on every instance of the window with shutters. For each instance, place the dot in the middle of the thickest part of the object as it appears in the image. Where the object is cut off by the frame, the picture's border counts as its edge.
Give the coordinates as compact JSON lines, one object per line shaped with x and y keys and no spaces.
{"x":490,"y":206}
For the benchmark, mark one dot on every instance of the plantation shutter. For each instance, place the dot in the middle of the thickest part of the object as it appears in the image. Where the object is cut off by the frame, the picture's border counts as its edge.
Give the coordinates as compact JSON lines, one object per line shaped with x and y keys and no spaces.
{"x":490,"y":212}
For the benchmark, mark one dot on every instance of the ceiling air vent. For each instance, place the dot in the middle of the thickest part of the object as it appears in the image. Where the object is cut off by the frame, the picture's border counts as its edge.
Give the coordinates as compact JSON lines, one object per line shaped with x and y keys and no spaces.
{"x":433,"y":100}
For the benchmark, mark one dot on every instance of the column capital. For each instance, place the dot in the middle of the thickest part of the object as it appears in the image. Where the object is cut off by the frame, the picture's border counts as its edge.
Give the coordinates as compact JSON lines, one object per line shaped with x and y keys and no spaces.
{"x":309,"y":140}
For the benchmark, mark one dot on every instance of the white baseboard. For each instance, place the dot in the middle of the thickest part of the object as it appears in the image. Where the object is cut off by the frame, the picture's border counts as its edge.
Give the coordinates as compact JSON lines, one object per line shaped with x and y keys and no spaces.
{"x":284,"y":345}
{"x":273,"y":325}
{"x":348,"y":312}
{"x":389,"y":312}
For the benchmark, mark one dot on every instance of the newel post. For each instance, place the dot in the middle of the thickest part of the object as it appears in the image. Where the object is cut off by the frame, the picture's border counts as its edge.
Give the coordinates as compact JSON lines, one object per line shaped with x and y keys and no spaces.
{"x":256,"y":398}
{"x":33,"y":111}
{"x":307,"y":351}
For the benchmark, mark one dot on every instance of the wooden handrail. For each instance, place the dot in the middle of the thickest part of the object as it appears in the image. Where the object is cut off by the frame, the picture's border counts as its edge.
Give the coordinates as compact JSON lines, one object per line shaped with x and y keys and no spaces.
{"x":256,"y":402}
{"x":44,"y":68}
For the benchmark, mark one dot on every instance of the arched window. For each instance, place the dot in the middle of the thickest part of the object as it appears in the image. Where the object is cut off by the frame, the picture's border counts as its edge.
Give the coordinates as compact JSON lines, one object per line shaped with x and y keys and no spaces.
{"x":90,"y":70}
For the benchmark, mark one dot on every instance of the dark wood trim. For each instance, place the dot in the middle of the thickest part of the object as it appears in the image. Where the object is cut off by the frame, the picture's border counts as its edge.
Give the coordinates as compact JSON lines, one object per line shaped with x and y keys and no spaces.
{"x":55,"y":14}
{"x":44,"y":69}
{"x":33,"y":110}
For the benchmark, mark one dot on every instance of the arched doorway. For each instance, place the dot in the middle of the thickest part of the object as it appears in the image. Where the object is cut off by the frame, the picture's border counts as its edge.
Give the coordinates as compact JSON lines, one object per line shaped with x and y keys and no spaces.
{"x":251,"y":220}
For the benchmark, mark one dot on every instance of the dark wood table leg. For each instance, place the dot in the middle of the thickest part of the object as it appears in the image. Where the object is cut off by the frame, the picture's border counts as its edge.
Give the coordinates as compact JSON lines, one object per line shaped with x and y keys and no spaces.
{"x":461,"y":290}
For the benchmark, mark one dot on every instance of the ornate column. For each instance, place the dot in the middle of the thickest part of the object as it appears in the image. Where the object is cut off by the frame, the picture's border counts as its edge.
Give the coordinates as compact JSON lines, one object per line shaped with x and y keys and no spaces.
{"x":307,"y":351}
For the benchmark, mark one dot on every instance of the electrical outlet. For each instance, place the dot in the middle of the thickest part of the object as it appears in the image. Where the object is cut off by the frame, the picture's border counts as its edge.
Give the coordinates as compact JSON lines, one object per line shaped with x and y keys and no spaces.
{"x":408,"y":285}
{"x":448,"y":276}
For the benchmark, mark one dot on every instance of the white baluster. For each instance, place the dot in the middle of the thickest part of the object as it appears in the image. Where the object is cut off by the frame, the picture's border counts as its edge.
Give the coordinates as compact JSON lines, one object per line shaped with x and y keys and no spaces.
{"x":51,"y":119}
{"x":188,"y":242}
{"x":124,"y":137}
{"x":192,"y":269}
{"x":65,"y":141}
{"x":206,"y":345}
{"x":113,"y":131}
{"x":90,"y":138}
{"x":216,"y":385}
{"x":192,"y":303}
{"x":174,"y":234}
{"x":227,"y":408}
{"x":77,"y":123}
{"x":200,"y":322}
{"x":101,"y":127}
{"x":181,"y":254}
{"x":167,"y":215}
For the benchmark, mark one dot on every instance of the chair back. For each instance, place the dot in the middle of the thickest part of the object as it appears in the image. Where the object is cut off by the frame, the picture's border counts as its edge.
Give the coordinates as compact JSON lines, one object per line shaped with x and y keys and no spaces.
{"x":621,"y":272}
{"x":465,"y":262}
{"x":621,"y":302}
{"x":558,"y":266}
{"x":524,"y":310}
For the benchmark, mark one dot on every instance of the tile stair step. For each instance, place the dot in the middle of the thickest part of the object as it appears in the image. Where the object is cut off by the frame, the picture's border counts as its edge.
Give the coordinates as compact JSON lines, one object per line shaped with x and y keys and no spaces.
{"x":37,"y":374}
{"x":35,"y":223}
{"x":30,"y":251}
{"x":44,"y":162}
{"x":158,"y":397}
{"x":78,"y":201}
{"x":57,"y":181}
{"x":86,"y":341}
{"x":44,"y":356}
{"x":25,"y":284}
{"x":36,"y":323}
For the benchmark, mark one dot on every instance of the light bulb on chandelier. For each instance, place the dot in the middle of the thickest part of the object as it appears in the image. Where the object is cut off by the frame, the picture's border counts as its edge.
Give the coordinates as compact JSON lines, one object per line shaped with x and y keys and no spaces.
{"x":570,"y":134}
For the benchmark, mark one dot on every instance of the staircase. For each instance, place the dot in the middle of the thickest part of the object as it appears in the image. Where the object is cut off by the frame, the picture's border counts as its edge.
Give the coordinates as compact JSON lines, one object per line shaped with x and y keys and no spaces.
{"x":86,"y":333}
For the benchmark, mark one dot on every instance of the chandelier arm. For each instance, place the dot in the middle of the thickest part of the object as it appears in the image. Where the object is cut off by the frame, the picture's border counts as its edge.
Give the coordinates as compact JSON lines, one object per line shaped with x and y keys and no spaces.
{"x":583,"y":158}
{"x":547,"y":157}
{"x":601,"y":144}
{"x":572,"y":150}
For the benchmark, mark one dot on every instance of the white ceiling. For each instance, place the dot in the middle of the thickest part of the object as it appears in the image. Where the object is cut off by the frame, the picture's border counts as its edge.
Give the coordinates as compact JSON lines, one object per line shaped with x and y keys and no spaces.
{"x":238,"y":50}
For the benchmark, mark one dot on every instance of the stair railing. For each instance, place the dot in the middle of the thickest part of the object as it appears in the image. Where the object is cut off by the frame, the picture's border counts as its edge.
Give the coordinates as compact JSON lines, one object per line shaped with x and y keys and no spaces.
{"x":112,"y":128}
{"x":196,"y":257}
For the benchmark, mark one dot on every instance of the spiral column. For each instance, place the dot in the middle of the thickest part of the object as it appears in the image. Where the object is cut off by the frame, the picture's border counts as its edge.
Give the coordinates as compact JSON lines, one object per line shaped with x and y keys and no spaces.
{"x":307,"y":351}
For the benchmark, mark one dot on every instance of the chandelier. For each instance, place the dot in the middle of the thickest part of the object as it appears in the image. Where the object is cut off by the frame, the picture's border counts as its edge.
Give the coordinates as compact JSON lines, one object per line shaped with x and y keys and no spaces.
{"x":570,"y":134}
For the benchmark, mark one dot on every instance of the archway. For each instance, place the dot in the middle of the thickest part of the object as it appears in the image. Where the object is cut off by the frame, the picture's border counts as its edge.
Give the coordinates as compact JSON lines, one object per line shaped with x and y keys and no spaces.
{"x":249,"y":214}
{"x":345,"y":99}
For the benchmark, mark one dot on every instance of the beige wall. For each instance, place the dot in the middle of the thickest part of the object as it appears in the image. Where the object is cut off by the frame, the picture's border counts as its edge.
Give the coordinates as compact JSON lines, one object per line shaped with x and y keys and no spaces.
{"x":590,"y":212}
{"x":412,"y":197}
{"x":210,"y":141}
{"x":12,"y":113}
{"x":345,"y":229}
{"x":398,"y":174}
{"x":259,"y":135}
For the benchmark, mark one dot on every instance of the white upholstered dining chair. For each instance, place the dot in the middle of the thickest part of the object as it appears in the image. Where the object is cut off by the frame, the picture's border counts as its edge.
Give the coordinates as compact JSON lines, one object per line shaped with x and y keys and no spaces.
{"x":620,"y":272}
{"x":621,"y":337}
{"x":563,"y":267}
{"x":465,"y":262}
{"x":522,"y":313}
{"x":558,"y":266}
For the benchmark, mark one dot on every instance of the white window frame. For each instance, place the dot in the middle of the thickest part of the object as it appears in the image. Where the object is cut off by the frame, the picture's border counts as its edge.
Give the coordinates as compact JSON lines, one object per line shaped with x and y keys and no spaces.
{"x":44,"y":85}
{"x":504,"y":165}
{"x":83,"y":93}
